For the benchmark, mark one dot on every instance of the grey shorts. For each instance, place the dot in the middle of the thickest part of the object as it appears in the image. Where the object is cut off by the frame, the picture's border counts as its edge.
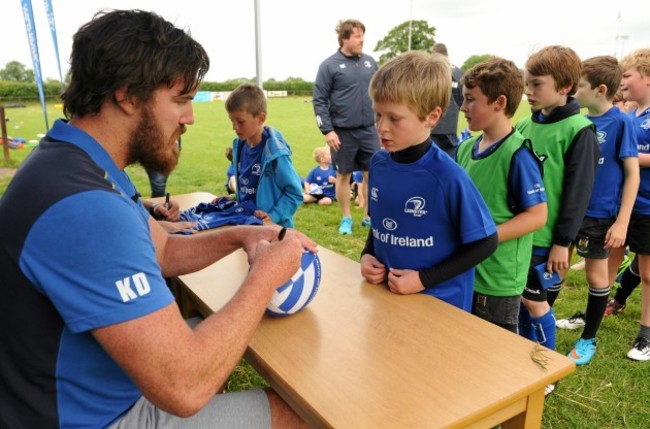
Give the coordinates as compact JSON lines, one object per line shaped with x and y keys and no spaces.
{"x":358,"y":145}
{"x":591,"y":238}
{"x":238,"y":410}
{"x":500,"y":310}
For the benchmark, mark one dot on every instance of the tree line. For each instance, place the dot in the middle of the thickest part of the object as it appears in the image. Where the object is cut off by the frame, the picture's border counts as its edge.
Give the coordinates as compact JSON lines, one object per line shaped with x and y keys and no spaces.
{"x":17,"y":83}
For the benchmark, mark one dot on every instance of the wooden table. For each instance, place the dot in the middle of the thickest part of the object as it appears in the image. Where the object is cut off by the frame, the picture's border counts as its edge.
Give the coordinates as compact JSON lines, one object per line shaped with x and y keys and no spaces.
{"x":361,"y":357}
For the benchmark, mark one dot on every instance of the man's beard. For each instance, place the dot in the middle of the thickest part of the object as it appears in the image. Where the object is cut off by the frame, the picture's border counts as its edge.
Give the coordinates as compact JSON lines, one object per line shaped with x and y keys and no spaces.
{"x":148,"y":148}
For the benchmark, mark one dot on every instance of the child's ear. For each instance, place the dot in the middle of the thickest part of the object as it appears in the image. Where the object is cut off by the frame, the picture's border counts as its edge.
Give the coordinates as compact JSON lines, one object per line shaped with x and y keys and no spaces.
{"x":262,"y":117}
{"x":565,"y":90}
{"x":501,"y":102}
{"x":433,"y":117}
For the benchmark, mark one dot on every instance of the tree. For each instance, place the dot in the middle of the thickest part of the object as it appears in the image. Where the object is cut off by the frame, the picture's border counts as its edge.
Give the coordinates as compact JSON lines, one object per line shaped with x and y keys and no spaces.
{"x":473,"y":60}
{"x":16,"y":71}
{"x":397,"y":39}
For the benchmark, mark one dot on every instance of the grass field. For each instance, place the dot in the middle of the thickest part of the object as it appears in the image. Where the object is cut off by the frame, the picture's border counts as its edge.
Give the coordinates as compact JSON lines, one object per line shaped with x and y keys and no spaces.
{"x":611,"y":392}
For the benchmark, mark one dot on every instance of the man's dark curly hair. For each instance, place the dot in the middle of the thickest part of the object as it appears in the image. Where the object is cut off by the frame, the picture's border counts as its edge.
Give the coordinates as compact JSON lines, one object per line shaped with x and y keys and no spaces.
{"x":131,"y":49}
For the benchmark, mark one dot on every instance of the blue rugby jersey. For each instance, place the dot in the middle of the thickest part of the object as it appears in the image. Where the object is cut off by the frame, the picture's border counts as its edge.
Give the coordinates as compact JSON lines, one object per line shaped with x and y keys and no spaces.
{"x":76,"y":255}
{"x":642,"y":133}
{"x":615,"y":133}
{"x":422,"y":213}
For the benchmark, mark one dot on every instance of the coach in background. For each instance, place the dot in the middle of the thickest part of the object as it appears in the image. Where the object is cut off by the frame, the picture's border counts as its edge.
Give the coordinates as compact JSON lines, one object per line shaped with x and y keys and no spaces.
{"x":344,"y":113}
{"x":91,"y":335}
{"x":445,"y":134}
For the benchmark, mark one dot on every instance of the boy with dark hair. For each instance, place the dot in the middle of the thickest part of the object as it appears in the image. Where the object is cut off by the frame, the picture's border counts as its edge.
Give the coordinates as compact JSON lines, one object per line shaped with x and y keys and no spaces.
{"x":430,"y":226}
{"x":605,"y":225}
{"x":262,"y":159}
{"x":636,"y":88}
{"x":566,"y":143}
{"x":506,"y":171}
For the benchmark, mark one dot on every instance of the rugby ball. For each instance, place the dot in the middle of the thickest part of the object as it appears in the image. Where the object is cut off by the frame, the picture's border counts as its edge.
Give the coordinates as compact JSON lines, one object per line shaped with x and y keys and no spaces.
{"x":295,"y":294}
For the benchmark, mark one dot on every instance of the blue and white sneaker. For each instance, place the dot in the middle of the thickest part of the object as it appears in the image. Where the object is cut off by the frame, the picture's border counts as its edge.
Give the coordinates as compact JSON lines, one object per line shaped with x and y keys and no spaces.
{"x":366,"y":222}
{"x":583,"y":351}
{"x":346,"y":225}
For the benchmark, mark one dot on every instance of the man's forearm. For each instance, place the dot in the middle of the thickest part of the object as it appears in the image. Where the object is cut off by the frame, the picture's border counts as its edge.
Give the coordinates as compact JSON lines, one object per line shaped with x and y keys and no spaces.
{"x":183,"y":254}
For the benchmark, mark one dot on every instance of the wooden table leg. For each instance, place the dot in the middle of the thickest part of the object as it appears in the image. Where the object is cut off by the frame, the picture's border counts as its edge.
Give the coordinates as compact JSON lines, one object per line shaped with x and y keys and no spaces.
{"x":532,"y":417}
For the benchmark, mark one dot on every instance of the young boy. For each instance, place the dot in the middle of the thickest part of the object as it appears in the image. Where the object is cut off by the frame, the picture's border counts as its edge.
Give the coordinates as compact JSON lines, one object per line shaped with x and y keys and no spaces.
{"x":262,"y":159}
{"x":429,"y":224}
{"x":636,"y":87}
{"x":567,"y":145}
{"x":506,"y":171}
{"x":319,"y":183}
{"x":604,"y":227}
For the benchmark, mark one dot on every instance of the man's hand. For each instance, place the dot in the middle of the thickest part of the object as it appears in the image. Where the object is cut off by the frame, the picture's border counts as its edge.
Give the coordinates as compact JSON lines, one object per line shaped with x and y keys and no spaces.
{"x":174,"y":227}
{"x":171,"y":214}
{"x":332,"y":140}
{"x":270,"y":234}
{"x":277,"y":261}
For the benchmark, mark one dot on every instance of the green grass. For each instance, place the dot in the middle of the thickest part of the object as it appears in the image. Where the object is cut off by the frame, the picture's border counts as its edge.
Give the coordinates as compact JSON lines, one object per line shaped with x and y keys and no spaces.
{"x":611,"y":392}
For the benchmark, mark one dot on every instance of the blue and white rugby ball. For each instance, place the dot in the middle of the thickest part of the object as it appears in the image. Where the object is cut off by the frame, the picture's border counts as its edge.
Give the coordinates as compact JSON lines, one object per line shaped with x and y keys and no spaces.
{"x":295,"y":294}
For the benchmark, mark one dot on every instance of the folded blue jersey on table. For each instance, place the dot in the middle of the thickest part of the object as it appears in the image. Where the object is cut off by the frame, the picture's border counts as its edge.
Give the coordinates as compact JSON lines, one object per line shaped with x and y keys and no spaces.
{"x":224,"y":212}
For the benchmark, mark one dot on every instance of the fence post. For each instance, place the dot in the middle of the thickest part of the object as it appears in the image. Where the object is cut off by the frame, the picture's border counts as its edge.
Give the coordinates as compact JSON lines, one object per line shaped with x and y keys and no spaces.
{"x":5,"y":139}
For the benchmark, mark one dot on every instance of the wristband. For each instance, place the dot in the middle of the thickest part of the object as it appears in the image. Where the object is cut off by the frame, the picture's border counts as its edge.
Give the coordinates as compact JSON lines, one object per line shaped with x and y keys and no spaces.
{"x":152,"y":210}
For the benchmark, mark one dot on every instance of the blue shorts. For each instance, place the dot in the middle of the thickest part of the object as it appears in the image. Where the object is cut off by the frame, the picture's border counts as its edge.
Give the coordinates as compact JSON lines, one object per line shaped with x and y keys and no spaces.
{"x":358,"y":145}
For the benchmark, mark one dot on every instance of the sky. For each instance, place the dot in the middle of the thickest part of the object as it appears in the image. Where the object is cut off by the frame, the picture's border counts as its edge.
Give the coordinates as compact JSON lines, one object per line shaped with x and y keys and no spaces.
{"x":296,"y":35}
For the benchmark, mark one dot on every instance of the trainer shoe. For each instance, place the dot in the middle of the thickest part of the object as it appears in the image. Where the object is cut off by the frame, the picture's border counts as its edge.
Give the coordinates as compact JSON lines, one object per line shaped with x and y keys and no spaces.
{"x":641,"y":350}
{"x":574,"y":322}
{"x":346,"y":225}
{"x":613,"y":307}
{"x":366,"y":222}
{"x":583,"y":351}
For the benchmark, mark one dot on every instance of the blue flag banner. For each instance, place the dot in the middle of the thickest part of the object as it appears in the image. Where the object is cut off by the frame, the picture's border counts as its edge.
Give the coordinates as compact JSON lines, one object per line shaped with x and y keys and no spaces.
{"x":50,"y":19}
{"x":28,"y":15}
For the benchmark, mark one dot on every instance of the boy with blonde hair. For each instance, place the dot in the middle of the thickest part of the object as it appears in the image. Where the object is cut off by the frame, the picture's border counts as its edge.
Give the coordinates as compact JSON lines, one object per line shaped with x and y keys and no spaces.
{"x":506,"y":171}
{"x":636,"y":87}
{"x":429,"y":224}
{"x":605,"y":225}
{"x":320,"y":181}
{"x":566,"y":143}
{"x":262,"y":159}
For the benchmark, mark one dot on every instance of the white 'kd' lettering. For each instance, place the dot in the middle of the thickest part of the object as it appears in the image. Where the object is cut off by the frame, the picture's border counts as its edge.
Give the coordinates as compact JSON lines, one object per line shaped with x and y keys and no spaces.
{"x":140,"y":283}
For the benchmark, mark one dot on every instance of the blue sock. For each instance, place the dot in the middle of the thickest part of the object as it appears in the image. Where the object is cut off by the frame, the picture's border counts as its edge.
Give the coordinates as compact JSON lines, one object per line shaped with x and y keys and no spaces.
{"x":525,"y":327}
{"x":544,"y":328}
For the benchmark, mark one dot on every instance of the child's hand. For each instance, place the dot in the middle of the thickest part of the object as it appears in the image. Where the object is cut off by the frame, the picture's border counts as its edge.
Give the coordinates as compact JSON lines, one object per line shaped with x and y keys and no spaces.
{"x":216,"y":200}
{"x":372,"y":270}
{"x":404,"y":282}
{"x":558,"y":259}
{"x":615,"y":236}
{"x":262,"y":215}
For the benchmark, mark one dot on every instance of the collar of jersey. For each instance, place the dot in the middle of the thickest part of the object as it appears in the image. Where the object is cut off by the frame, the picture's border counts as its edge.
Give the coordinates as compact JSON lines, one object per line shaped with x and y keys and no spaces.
{"x":62,"y":131}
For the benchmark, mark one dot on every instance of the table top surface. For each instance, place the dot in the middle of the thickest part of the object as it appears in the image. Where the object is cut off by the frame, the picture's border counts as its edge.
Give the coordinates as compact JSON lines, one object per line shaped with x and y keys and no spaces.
{"x":360,"y":356}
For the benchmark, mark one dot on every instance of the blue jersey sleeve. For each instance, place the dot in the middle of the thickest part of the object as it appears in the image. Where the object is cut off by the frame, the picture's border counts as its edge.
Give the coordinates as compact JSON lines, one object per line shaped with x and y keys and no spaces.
{"x":526,"y":185}
{"x":92,"y":255}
